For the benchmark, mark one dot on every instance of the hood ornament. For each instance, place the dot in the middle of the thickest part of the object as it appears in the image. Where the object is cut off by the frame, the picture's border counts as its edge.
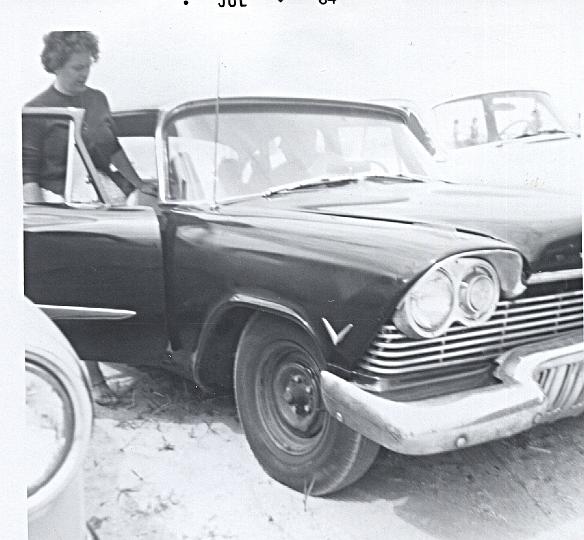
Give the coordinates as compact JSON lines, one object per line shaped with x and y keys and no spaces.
{"x":336,"y":338}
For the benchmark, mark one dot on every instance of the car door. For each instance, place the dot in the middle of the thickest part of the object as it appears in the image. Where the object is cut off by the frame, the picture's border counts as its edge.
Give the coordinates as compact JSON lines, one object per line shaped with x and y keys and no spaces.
{"x":93,"y":263}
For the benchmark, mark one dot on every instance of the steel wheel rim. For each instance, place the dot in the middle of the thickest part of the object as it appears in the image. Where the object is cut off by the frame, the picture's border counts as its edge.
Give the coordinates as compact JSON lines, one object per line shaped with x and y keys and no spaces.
{"x":288,"y":399}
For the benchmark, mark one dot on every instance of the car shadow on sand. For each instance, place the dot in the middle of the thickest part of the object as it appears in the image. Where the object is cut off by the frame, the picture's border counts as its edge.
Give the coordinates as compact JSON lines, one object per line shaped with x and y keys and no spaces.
{"x":522,"y":487}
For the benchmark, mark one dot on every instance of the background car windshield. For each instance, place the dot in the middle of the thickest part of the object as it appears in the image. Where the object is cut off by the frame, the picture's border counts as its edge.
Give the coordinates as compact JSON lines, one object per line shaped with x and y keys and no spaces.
{"x":261,"y":149}
{"x":495,"y":117}
{"x":517,"y":115}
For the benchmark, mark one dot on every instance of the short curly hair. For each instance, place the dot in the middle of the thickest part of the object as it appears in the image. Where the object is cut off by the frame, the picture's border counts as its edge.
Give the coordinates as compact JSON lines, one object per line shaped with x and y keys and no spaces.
{"x":59,"y":46}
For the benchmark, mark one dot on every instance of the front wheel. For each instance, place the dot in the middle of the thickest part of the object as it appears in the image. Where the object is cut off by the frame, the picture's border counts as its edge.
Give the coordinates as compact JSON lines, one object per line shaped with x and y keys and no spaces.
{"x":277,"y":391}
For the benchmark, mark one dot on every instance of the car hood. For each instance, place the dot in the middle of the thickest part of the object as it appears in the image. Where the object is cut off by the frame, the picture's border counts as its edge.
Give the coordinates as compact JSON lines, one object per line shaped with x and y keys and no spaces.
{"x":546,"y":227}
{"x":553,"y":161}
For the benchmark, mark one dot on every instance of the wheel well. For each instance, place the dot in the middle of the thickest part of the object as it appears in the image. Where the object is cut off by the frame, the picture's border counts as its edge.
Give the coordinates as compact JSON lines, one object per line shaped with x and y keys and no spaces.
{"x":214,"y":367}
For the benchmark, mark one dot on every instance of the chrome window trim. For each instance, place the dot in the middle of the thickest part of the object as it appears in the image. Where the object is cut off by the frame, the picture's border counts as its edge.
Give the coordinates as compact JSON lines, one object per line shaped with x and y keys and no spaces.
{"x":70,"y":153}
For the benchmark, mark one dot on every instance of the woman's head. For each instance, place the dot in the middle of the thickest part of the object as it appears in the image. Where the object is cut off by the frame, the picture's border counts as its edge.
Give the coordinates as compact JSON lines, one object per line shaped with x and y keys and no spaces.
{"x":69,"y":56}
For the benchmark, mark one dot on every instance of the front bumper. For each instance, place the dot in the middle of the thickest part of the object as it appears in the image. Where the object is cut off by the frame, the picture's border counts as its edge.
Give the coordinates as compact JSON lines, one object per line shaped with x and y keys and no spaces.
{"x":541,"y":382}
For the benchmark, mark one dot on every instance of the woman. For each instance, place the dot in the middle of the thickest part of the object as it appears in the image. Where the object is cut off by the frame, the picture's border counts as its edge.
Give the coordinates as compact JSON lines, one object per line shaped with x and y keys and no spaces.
{"x":69,"y":55}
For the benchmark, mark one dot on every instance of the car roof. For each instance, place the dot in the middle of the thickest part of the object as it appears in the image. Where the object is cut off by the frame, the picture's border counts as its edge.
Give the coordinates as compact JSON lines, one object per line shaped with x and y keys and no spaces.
{"x":144,"y":121}
{"x":166,"y":108}
{"x":492,"y":93}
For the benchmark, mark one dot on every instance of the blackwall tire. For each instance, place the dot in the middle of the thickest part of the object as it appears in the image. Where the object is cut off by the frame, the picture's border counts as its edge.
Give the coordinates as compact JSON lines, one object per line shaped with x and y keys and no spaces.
{"x":277,"y":391}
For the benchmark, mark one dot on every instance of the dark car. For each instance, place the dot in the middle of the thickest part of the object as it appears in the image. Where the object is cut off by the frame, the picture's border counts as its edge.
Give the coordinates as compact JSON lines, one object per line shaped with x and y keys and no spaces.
{"x":301,"y":253}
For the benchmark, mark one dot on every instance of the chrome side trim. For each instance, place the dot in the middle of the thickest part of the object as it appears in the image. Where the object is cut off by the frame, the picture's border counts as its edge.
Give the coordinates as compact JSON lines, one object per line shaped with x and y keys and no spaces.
{"x":549,"y":277}
{"x":86,"y":313}
{"x":270,"y":306}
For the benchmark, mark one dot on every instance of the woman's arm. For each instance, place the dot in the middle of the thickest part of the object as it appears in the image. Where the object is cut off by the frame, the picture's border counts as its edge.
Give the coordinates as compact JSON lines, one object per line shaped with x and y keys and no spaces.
{"x":122,"y":163}
{"x":119,"y":158}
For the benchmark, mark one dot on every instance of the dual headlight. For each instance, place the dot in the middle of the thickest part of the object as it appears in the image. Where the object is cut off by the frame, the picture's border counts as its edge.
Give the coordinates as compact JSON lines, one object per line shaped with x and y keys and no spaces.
{"x":464,"y":289}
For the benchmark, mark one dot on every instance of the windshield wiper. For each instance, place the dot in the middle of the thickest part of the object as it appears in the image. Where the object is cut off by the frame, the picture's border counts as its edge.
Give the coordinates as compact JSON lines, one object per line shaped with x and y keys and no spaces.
{"x":395,"y":178}
{"x":311,"y":182}
{"x":540,"y":132}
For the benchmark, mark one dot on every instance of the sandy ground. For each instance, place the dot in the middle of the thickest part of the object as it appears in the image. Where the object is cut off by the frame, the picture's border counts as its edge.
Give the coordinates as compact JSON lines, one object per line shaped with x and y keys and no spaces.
{"x":170,"y":463}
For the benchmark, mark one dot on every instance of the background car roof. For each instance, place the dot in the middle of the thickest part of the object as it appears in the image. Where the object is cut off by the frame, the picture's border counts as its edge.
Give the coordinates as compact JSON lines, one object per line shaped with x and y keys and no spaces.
{"x":492,"y":93}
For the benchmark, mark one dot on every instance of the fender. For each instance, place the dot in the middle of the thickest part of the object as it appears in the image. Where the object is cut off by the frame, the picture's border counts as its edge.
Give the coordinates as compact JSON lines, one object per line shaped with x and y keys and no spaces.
{"x":256,"y":303}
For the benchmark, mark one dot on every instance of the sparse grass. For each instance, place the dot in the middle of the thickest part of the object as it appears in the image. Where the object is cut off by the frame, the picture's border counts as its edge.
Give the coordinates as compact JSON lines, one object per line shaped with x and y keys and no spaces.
{"x":307,"y":491}
{"x":154,"y":392}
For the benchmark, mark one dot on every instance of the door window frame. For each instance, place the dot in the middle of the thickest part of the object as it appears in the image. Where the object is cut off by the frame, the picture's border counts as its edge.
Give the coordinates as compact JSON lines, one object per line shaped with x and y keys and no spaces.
{"x":75,"y":143}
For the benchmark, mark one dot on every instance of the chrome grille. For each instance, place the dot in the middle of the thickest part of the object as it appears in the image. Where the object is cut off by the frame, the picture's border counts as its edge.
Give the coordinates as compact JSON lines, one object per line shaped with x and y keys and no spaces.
{"x":563,"y":386}
{"x":514,"y":323}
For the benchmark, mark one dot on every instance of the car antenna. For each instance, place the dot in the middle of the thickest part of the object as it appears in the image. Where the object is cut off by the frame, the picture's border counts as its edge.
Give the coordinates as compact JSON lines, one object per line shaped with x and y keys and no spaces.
{"x":214,"y":204}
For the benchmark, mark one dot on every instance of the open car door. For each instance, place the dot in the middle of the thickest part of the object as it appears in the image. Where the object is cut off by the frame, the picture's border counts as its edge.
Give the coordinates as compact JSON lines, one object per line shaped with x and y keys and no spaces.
{"x":94,"y":263}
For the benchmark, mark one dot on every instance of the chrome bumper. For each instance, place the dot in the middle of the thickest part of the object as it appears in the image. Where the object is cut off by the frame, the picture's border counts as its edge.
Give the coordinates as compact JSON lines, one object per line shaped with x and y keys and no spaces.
{"x":541,"y":382}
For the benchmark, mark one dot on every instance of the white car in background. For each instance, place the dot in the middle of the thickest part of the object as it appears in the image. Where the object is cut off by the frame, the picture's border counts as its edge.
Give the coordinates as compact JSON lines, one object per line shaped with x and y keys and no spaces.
{"x":59,"y":418}
{"x":512,"y":138}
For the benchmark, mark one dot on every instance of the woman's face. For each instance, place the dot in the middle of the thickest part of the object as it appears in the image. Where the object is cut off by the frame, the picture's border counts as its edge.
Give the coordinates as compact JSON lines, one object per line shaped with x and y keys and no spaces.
{"x":73,"y":75}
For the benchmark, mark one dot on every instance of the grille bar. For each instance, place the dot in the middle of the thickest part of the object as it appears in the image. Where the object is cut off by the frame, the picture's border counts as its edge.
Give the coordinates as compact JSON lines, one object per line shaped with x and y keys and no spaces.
{"x":563,"y":386}
{"x":564,"y":304}
{"x":446,"y":345}
{"x":450,"y":338}
{"x":514,"y":323}
{"x":487,"y":351}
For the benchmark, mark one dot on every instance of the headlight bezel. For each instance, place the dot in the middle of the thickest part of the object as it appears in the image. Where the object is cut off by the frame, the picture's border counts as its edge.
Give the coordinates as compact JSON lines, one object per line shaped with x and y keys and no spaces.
{"x":72,"y":379}
{"x":502,"y":268}
{"x":55,"y":384}
{"x":405,"y":318}
{"x":478,"y":270}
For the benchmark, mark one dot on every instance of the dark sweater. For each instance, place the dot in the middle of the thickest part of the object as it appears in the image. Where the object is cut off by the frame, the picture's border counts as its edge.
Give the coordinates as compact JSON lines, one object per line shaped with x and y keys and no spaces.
{"x":44,"y":140}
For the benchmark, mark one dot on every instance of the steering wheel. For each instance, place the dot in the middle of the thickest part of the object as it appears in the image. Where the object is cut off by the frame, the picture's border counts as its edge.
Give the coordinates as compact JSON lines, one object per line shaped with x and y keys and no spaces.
{"x":512,"y":124}
{"x":374,"y":162}
{"x":327,"y":163}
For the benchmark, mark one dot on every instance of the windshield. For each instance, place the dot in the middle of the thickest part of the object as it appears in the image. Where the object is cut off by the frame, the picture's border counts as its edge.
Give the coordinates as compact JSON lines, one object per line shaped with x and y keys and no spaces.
{"x":263,"y":147}
{"x":496,"y":117}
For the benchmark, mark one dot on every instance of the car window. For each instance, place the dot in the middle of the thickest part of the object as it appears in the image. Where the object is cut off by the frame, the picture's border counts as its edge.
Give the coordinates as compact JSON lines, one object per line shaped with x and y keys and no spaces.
{"x":518,"y":115}
{"x":52,"y":159}
{"x":496,"y":116}
{"x":462,"y":123}
{"x":82,"y":190}
{"x":262,"y":147}
{"x":371,"y":143}
{"x":192,"y":167}
{"x":142,"y":155}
